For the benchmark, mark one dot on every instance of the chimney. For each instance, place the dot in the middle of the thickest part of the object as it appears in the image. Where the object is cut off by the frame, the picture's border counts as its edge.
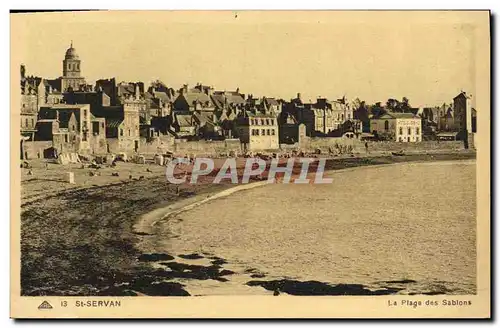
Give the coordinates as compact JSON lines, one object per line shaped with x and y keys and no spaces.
{"x":185,"y":88}
{"x":298,"y":95}
{"x":237,"y":90}
{"x":137,"y":91}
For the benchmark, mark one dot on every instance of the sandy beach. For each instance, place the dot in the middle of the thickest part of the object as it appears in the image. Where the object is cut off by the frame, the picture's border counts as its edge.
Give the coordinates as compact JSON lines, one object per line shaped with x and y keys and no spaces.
{"x":67,"y":229}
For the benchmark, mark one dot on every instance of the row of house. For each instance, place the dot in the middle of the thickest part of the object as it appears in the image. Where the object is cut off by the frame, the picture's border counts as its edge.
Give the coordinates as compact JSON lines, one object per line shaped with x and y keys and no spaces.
{"x":118,"y":115}
{"x":455,"y":121}
{"x":74,"y":114}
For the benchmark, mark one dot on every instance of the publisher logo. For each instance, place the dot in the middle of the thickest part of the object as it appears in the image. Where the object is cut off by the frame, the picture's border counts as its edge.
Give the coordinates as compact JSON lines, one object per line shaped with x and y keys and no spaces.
{"x":45,"y":306}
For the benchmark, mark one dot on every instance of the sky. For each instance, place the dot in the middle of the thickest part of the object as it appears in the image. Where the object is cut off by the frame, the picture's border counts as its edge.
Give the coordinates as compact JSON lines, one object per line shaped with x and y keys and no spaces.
{"x":426,"y":57}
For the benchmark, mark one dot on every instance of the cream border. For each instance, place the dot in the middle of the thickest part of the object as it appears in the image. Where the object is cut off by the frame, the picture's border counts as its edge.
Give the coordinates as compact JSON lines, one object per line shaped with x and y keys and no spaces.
{"x":263,"y":306}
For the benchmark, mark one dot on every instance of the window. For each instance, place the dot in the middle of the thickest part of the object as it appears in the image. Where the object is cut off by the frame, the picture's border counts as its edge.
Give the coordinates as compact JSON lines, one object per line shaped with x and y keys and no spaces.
{"x":32,"y":122}
{"x":268,"y":132}
{"x":256,"y":132}
{"x":267,"y":121}
{"x":84,"y":136}
{"x":26,"y":122}
{"x":129,"y":133}
{"x":400,"y":139}
{"x":102,"y":125}
{"x":121,"y":132}
{"x":342,"y":117}
{"x":386,"y":125}
{"x":272,"y":121}
{"x":273,"y":132}
{"x":65,"y":138}
{"x":417,"y":131}
{"x":85,"y":113}
{"x":400,"y":131}
{"x":409,"y":131}
{"x":263,"y":132}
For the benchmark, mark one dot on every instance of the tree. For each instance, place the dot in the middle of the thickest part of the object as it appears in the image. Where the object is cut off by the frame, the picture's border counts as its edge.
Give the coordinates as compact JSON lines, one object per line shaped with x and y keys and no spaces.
{"x":392,"y":104}
{"x":405,"y":105}
{"x":377,"y":109}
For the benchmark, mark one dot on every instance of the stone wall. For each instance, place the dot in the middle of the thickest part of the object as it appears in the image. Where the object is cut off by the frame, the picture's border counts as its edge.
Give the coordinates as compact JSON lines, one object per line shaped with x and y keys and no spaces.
{"x":311,"y":144}
{"x":34,"y":149}
{"x":289,"y":146}
{"x":415,"y":146}
{"x":206,"y":147}
{"x":160,"y":145}
{"x":357,"y":146}
{"x":98,"y":145}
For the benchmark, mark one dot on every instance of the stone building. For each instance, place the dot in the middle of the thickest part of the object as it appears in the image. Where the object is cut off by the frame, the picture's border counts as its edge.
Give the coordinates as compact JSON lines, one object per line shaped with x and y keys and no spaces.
{"x":67,"y":126}
{"x":258,"y":132}
{"x":195,"y":99}
{"x":400,"y":127}
{"x":159,"y":103}
{"x":28,"y":105}
{"x":288,"y":128}
{"x":109,"y":87}
{"x":272,"y":106}
{"x":462,"y":110}
{"x":96,"y":99}
{"x":322,"y":117}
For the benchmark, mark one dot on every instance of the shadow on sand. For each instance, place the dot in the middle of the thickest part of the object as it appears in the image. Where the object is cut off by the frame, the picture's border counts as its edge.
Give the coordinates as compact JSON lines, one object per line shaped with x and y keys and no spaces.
{"x":295,"y":287}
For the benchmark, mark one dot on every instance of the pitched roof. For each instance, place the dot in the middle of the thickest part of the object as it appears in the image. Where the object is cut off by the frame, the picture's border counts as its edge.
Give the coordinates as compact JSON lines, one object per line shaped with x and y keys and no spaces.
{"x":193,"y":96}
{"x":272,"y":101}
{"x":218,"y":100}
{"x":55,"y":84}
{"x":198,"y":96}
{"x":184,"y":120}
{"x":162,"y":96}
{"x":126,"y":89}
{"x":65,"y":116}
{"x":113,"y":122}
{"x":234,"y":98}
{"x":204,"y":118}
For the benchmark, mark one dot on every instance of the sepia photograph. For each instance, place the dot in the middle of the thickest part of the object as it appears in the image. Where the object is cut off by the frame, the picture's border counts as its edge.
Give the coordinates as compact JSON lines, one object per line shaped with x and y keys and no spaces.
{"x":186,"y":155}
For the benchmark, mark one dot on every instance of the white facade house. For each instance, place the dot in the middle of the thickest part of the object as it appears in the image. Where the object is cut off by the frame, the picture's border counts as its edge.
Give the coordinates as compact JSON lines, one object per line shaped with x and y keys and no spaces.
{"x":403,"y":127}
{"x":258,"y":132}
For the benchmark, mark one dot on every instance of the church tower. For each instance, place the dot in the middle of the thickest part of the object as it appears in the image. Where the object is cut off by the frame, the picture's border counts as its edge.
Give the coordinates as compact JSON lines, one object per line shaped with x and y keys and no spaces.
{"x":71,"y":79}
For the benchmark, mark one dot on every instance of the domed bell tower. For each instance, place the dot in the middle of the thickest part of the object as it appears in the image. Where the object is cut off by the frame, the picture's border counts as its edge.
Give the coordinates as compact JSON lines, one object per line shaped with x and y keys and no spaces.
{"x":71,"y":79}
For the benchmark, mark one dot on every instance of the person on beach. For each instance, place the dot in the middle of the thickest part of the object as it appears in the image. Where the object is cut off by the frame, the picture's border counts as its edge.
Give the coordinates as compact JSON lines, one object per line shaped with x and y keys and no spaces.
{"x":366,"y":146}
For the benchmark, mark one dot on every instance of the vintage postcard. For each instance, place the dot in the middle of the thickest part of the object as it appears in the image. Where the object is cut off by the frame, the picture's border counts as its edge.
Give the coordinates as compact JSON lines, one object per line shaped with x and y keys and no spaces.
{"x":250,"y":164}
